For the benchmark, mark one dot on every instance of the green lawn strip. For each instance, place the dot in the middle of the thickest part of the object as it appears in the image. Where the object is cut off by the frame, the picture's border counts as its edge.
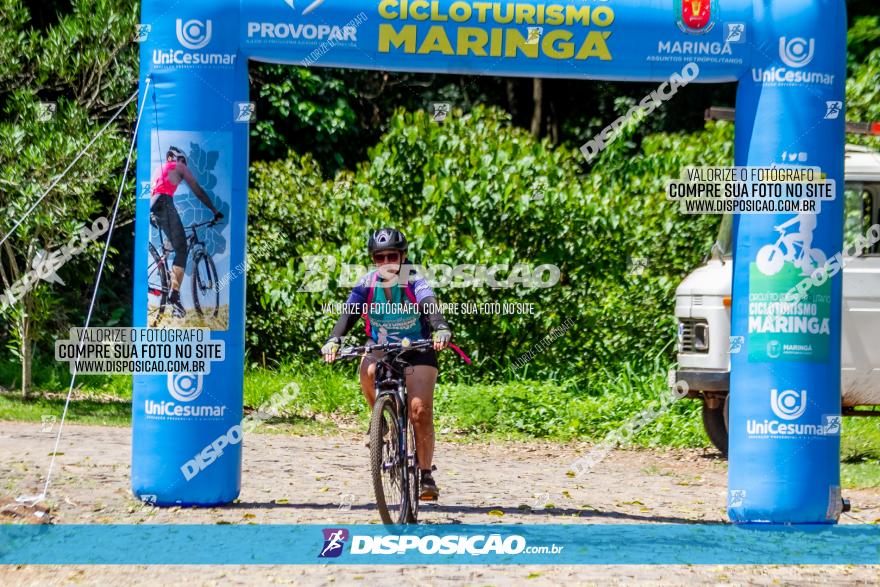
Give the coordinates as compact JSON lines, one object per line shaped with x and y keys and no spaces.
{"x":860,"y":475}
{"x":82,"y":410}
{"x":860,"y":452}
{"x":328,"y":399}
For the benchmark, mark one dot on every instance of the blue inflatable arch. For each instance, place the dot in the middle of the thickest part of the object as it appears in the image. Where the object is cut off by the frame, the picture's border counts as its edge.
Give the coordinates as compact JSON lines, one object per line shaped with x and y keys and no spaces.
{"x":788,"y":57}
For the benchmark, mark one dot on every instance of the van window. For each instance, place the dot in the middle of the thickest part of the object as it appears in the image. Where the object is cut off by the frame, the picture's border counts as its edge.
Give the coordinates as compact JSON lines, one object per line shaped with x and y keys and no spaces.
{"x":859,"y":211}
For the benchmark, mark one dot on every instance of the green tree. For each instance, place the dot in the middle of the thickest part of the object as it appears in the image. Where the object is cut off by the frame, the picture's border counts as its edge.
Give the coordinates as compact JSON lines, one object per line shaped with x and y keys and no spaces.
{"x":861,"y":38}
{"x":85,"y":65}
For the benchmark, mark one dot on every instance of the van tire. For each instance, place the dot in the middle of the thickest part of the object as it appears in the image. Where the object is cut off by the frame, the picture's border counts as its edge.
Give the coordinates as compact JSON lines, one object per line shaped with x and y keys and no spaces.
{"x":715,"y":424}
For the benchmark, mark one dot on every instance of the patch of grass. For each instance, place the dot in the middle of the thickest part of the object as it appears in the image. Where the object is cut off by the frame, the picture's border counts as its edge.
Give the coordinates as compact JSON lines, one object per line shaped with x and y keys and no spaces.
{"x":319,"y":389}
{"x":514,"y":409}
{"x":517,"y":409}
{"x":54,"y":377}
{"x":83,"y":410}
{"x":574,"y":409}
{"x":860,"y":441}
{"x":106,"y":400}
{"x":860,"y":475}
{"x":860,"y":452}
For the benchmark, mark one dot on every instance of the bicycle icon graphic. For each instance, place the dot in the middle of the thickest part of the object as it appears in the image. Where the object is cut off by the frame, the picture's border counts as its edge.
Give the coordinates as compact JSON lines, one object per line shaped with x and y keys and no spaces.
{"x":793,"y":248}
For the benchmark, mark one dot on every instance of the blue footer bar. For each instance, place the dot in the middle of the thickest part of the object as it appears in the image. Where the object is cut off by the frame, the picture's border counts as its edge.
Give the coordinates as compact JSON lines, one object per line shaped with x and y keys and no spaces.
{"x":439,"y":544}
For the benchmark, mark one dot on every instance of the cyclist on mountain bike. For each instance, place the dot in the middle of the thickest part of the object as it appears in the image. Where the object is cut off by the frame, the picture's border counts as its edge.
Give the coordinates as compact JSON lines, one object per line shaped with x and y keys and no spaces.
{"x":171,"y":174}
{"x":395,"y":283}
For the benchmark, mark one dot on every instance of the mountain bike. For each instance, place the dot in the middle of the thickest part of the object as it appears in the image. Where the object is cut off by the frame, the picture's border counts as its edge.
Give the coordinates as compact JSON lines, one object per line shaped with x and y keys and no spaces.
{"x":394,"y":465}
{"x":205,"y":283}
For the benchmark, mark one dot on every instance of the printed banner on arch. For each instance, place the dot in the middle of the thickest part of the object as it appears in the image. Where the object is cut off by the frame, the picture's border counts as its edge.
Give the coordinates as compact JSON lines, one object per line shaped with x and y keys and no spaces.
{"x":188,"y":251}
{"x":554,"y":38}
{"x":782,"y":330}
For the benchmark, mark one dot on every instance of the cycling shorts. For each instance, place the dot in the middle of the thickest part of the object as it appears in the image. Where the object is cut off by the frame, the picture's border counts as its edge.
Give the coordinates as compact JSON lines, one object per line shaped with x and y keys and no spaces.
{"x":169,"y":221}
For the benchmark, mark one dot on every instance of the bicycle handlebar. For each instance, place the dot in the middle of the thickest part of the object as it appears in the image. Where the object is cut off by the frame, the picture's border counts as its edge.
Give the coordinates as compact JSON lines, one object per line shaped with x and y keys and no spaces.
{"x":359,"y":351}
{"x":201,"y":224}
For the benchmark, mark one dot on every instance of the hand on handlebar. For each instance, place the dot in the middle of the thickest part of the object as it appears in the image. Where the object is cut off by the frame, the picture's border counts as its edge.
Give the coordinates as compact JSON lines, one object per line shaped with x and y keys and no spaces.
{"x":330,"y":349}
{"x":218,"y":216}
{"x":441,"y":338}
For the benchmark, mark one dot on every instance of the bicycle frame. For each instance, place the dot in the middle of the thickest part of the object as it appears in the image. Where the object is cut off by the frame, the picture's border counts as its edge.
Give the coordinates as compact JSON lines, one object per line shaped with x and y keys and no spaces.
{"x":390,"y":384}
{"x":793,"y":247}
{"x":193,"y":242}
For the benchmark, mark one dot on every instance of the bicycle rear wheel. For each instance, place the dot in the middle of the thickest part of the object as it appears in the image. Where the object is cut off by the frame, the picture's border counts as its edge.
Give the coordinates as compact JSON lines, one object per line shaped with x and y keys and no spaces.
{"x":386,"y":464}
{"x":157,"y":283}
{"x":205,"y":285}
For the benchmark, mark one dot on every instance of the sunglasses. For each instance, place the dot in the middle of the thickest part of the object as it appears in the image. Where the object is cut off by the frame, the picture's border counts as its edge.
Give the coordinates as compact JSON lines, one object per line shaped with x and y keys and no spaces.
{"x":386,"y":257}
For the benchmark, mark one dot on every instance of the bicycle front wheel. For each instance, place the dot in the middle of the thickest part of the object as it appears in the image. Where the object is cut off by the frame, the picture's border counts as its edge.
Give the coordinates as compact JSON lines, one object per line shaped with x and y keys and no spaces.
{"x":415,"y":476}
{"x":770,"y":260}
{"x":205,"y":285}
{"x":387,"y":465}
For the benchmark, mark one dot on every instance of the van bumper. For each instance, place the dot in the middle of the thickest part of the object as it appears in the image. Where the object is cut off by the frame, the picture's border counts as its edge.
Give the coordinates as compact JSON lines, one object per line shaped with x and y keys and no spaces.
{"x":701,"y":381}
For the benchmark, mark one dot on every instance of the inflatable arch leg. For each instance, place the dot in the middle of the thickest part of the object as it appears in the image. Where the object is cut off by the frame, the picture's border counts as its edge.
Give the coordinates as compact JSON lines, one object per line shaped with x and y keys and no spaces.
{"x":785,"y":385}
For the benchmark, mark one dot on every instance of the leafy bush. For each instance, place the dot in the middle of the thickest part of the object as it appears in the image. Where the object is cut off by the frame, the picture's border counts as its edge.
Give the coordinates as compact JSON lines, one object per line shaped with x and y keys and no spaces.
{"x":477,"y":190}
{"x":863,"y":96}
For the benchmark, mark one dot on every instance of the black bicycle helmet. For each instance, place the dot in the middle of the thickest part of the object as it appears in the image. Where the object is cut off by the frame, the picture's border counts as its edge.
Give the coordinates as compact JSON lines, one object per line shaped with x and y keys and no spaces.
{"x":386,"y":239}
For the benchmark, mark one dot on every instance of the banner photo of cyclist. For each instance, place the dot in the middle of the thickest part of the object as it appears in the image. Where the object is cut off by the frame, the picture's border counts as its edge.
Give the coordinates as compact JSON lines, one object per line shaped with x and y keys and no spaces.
{"x":189,"y":231}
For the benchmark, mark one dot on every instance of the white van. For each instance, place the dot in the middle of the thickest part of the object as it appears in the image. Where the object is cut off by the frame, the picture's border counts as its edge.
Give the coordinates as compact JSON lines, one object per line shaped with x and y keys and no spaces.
{"x":702,"y":308}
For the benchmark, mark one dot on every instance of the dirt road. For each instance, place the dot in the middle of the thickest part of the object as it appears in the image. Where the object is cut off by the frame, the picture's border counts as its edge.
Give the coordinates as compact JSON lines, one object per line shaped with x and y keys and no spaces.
{"x":324,"y":480}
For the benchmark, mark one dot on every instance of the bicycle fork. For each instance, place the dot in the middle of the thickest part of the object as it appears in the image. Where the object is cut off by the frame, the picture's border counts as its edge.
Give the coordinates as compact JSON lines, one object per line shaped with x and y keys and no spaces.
{"x":403,"y":441}
{"x":401,"y":462}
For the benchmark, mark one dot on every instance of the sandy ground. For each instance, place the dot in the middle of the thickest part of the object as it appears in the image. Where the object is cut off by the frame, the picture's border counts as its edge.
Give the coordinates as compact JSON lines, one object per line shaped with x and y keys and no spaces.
{"x":324,"y":480}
